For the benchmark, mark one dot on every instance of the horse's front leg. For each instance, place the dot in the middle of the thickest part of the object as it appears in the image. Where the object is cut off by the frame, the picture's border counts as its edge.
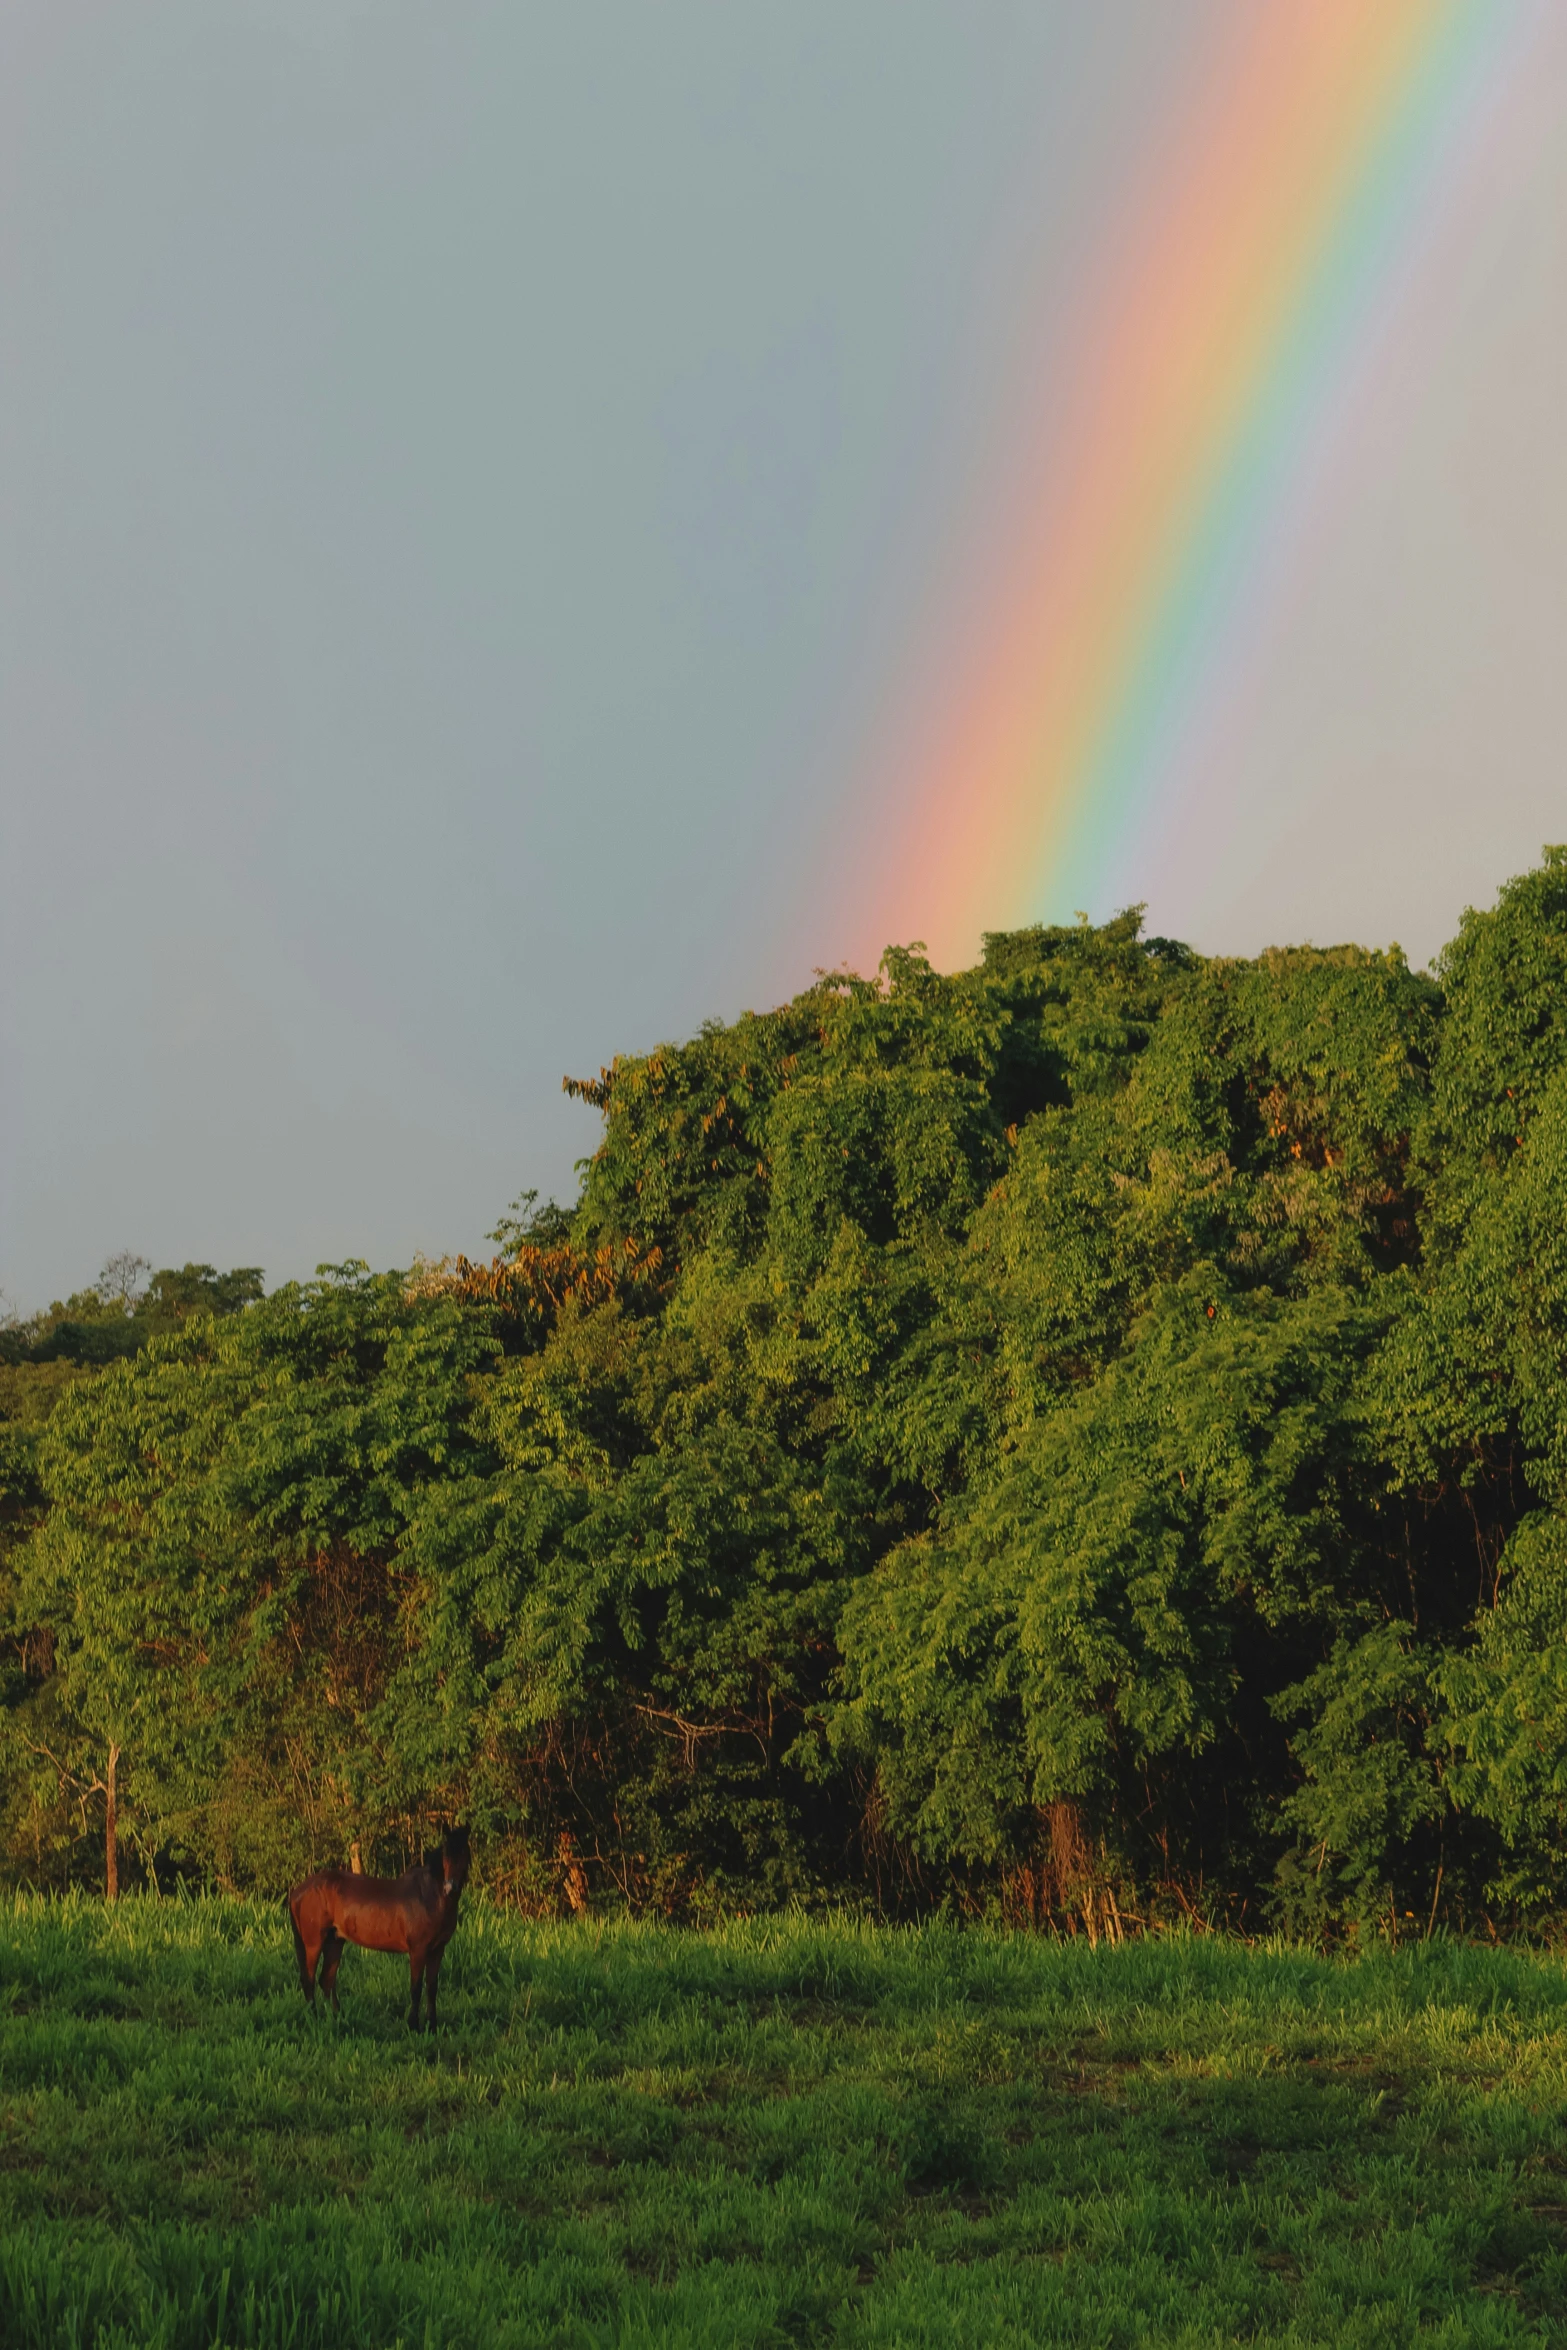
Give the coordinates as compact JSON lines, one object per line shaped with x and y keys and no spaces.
{"x":416,"y":1966}
{"x":432,"y":1976}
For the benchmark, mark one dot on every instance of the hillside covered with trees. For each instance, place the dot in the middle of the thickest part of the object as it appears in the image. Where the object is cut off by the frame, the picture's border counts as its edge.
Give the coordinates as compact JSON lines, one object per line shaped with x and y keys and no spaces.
{"x":1084,"y":1437}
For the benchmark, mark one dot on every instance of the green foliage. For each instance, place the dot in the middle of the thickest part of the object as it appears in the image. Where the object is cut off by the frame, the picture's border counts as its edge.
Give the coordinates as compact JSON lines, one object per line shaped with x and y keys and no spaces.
{"x":1504,"y":1034}
{"x":1081,"y":1629}
{"x":1506,"y":1722}
{"x":1075,"y":1435}
{"x":1368,"y":1783}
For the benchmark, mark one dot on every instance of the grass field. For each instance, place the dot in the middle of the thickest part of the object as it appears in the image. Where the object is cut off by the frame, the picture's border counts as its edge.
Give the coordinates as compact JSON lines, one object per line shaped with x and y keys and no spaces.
{"x":785,"y":2132}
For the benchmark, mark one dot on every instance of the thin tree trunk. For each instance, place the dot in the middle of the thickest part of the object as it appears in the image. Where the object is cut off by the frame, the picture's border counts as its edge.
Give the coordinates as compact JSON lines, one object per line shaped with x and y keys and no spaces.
{"x":111,"y":1833}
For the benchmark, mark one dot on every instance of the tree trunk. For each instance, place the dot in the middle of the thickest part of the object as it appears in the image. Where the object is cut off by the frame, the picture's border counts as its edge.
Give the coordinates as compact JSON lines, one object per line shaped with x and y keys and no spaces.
{"x":111,"y":1833}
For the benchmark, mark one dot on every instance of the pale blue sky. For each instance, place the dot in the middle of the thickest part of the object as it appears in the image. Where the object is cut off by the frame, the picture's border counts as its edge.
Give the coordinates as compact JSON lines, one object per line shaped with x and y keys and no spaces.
{"x":471,"y":481}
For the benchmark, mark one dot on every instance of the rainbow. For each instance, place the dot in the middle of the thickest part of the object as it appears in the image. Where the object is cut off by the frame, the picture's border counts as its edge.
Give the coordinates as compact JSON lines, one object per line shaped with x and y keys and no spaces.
{"x":1249,"y":272}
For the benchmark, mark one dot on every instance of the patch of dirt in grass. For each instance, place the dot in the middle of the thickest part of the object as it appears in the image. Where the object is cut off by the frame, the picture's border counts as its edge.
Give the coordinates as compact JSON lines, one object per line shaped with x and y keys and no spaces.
{"x":1236,"y":2157}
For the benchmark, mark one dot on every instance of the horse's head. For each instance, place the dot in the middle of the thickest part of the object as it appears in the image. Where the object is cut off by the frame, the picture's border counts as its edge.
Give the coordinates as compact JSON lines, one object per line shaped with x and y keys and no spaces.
{"x":452,"y":1860}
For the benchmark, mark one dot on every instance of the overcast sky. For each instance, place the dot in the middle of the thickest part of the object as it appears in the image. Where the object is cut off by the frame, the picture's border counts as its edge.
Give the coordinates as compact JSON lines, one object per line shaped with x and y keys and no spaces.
{"x":471,"y":480}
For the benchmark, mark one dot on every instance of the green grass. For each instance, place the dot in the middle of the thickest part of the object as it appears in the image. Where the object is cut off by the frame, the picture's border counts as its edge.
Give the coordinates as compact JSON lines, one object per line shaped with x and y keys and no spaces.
{"x":784,"y":2132}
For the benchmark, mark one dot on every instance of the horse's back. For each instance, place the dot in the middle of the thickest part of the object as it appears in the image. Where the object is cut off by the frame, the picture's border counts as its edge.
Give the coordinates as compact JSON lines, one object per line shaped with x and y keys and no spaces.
{"x":318,"y":1887}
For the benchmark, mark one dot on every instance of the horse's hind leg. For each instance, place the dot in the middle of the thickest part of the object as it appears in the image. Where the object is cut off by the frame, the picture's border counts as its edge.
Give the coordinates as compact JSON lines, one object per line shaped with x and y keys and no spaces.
{"x":307,"y":1955}
{"x":332,"y":1950}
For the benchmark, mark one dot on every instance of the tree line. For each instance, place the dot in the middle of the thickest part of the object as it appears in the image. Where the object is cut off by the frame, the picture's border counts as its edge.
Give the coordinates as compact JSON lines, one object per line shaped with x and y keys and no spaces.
{"x":1082,"y":1438}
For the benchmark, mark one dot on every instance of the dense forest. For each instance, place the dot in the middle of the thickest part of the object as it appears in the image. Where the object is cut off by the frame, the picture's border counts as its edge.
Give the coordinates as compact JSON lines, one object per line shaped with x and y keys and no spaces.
{"x":1083,"y":1439}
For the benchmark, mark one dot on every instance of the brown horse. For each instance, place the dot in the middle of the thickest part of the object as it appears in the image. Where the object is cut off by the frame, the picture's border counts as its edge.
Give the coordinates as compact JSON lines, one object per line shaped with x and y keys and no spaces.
{"x":416,"y":1912}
